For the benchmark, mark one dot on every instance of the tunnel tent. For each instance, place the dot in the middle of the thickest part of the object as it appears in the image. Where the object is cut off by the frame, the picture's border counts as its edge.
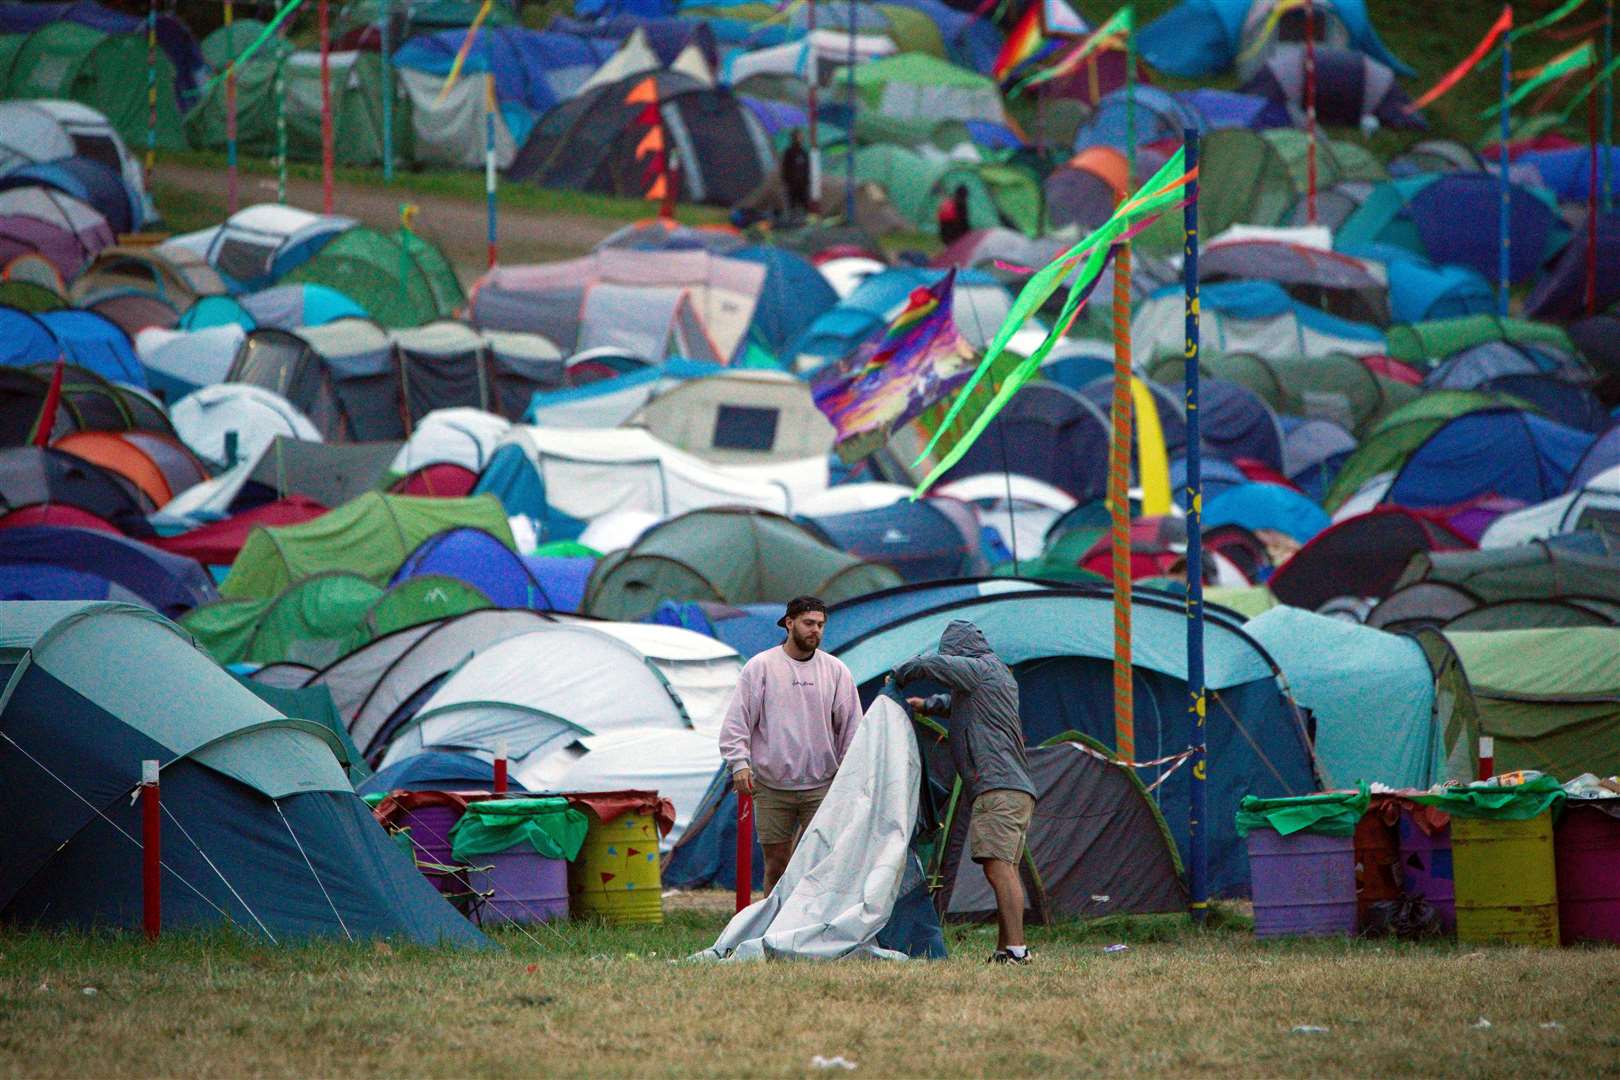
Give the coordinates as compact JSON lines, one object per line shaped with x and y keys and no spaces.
{"x":276,"y":842}
{"x":100,"y":69}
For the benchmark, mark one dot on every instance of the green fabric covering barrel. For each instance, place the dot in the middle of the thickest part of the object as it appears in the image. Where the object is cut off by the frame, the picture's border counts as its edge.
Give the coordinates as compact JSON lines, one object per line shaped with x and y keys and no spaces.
{"x":1302,"y":862}
{"x":1502,"y":857}
{"x":617,"y":877}
{"x":518,"y":850}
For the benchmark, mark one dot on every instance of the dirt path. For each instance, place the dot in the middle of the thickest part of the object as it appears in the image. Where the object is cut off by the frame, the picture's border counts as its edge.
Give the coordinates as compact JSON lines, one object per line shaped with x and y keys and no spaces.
{"x":456,"y":225}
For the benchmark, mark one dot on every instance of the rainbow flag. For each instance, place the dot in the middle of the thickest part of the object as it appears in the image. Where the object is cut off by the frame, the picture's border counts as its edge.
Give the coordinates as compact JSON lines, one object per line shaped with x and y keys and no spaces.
{"x":917,"y":360}
{"x":1031,"y":36}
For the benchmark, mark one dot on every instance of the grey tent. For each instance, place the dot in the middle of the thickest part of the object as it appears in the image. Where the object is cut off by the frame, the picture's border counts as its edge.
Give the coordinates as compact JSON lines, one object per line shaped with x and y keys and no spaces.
{"x":329,"y":473}
{"x":1097,"y":844}
{"x":1351,"y":87}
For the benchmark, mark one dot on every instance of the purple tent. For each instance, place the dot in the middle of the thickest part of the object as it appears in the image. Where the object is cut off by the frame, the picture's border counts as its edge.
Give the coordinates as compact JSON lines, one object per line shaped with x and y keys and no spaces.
{"x":1349,"y":86}
{"x":1228,"y":109}
{"x":58,"y":226}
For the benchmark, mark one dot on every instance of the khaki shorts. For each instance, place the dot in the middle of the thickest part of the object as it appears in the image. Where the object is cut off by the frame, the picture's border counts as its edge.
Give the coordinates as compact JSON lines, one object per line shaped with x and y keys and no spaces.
{"x":780,"y":815}
{"x":999,"y":824}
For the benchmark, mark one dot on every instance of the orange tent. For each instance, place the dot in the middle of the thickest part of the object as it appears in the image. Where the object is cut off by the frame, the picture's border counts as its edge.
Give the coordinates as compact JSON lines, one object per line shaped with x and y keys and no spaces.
{"x":111,"y":451}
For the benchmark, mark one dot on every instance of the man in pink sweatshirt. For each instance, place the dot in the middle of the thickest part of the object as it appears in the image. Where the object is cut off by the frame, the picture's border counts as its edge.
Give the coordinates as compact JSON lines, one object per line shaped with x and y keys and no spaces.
{"x":789,"y":725}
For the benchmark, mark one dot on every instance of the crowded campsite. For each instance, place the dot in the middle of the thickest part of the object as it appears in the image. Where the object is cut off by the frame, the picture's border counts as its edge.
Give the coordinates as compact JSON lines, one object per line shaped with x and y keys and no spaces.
{"x":759,"y":509}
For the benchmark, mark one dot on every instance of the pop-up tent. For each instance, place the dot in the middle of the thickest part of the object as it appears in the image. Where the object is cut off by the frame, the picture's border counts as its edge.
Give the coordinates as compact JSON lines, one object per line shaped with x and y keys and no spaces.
{"x":268,"y":835}
{"x":258,"y":244}
{"x":729,"y":555}
{"x":371,"y":536}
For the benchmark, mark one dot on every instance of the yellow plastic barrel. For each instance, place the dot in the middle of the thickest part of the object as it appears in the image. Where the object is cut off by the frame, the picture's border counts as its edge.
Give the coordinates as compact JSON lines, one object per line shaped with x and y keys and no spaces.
{"x":1507,"y":880}
{"x":616,"y":876}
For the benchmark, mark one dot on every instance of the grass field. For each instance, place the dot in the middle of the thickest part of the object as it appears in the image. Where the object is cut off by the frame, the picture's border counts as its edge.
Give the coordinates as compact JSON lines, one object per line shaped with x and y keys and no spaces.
{"x":586,"y":1000}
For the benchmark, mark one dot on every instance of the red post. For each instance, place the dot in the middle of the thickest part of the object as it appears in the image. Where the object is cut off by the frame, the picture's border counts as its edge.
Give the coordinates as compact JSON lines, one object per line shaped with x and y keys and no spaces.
{"x":1487,"y":757}
{"x":151,"y":842}
{"x":745,"y":850}
{"x":326,"y":111}
{"x":500,"y":769}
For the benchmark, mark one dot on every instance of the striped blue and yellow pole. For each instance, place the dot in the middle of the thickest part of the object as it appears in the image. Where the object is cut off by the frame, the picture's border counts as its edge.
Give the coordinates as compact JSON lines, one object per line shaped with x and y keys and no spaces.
{"x":1504,"y":230}
{"x":233,"y":196}
{"x":1197,"y":803}
{"x":281,"y":127}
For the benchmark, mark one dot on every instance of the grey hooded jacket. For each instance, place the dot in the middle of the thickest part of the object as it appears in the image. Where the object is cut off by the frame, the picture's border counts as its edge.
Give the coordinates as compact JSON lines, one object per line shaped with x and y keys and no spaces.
{"x":987,"y":739}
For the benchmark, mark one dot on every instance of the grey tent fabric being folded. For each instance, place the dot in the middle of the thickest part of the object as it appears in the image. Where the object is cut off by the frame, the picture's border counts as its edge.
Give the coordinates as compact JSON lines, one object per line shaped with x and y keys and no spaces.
{"x":840,"y":887}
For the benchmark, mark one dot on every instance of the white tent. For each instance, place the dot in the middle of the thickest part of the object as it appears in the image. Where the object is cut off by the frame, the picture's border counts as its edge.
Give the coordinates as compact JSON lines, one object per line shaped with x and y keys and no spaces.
{"x":459,"y":436}
{"x":180,"y":361}
{"x":679,"y":765}
{"x":701,"y":670}
{"x":806,"y":58}
{"x":450,"y":131}
{"x":588,"y":473}
{"x":1598,"y":501}
{"x":260,"y":243}
{"x":202,"y":420}
{"x":740,"y":417}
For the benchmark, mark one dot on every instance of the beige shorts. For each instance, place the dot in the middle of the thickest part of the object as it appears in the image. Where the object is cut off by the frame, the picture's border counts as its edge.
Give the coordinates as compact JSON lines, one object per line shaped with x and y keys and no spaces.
{"x":999,"y":824}
{"x":780,"y":815}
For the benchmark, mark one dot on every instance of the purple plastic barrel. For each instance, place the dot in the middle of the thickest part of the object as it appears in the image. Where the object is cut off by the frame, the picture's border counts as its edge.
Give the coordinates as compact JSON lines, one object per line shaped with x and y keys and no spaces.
{"x":1587,"y":848}
{"x":1426,"y":868}
{"x":1303,"y":884}
{"x":523,"y":887}
{"x":430,"y":829}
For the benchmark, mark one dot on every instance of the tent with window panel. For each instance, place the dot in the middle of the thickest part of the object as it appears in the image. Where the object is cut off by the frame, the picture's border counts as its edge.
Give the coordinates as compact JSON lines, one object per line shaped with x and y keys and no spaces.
{"x":259,"y":244}
{"x":276,"y":843}
{"x":740,"y":417}
{"x":98,"y":68}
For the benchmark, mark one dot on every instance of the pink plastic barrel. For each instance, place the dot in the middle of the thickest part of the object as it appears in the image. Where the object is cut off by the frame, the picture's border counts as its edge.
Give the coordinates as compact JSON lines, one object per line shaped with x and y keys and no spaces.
{"x":1586,"y":846}
{"x":1303,"y":884}
{"x":522,"y":887}
{"x":1426,"y":869}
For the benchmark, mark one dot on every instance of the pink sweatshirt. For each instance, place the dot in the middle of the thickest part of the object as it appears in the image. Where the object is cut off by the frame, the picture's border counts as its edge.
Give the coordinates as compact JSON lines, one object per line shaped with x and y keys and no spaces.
{"x":791,"y":720}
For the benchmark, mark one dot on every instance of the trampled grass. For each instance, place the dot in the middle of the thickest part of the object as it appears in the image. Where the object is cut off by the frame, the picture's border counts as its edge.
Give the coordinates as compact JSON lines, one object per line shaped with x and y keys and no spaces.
{"x":582,"y":999}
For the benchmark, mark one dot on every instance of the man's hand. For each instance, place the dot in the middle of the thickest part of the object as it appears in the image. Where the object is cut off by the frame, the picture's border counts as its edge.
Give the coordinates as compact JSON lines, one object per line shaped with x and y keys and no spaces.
{"x":743,"y":781}
{"x":916,"y":703}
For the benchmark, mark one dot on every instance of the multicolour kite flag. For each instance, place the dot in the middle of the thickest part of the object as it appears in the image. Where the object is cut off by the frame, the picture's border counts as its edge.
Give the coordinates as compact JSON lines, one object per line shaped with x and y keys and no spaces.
{"x":1110,"y":35}
{"x":891,"y":379}
{"x":1083,"y":264}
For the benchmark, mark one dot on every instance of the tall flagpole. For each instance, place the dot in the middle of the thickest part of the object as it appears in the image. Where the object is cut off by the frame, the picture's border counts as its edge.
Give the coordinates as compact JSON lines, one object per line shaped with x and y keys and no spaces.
{"x":233,"y":201}
{"x":1310,"y":111}
{"x":151,"y":90}
{"x":1504,"y":223}
{"x":1197,"y":804}
{"x":1608,"y":107}
{"x":388,"y":91}
{"x":489,"y":165}
{"x":281,"y":126}
{"x":849,"y":143}
{"x":811,"y":109}
{"x":1119,"y":466}
{"x":326,"y":110}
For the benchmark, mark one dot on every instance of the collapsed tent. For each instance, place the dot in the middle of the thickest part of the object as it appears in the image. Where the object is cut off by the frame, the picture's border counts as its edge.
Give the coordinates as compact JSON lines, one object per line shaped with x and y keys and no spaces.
{"x":276,"y":843}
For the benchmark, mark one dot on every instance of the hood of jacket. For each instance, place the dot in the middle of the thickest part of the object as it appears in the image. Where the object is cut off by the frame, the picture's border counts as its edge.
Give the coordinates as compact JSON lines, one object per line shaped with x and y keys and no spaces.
{"x":962,"y":638}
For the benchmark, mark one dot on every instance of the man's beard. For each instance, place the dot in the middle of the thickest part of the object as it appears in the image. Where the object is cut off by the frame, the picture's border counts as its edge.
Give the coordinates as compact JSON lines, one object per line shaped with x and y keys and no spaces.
{"x":802,"y":645}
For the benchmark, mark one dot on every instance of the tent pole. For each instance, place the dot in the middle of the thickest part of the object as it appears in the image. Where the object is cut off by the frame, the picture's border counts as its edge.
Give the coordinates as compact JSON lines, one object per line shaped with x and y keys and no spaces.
{"x":388,"y":91}
{"x":151,"y":90}
{"x":326,"y":109}
{"x":1012,"y":511}
{"x":1197,"y":806}
{"x":1310,"y":111}
{"x":1119,"y":465}
{"x":233,"y":199}
{"x":151,"y":853}
{"x":489,"y":165}
{"x":849,"y":136}
{"x":1504,"y":221}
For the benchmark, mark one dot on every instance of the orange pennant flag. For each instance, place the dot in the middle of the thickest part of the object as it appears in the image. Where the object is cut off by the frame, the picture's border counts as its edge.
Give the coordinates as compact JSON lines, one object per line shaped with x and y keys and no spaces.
{"x":651,"y":143}
{"x":644,"y":92}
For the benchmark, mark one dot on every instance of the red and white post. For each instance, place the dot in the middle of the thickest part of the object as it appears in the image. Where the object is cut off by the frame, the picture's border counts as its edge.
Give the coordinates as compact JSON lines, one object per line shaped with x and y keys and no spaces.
{"x":151,"y":850}
{"x":1487,"y":757}
{"x":745,"y":850}
{"x":500,"y":769}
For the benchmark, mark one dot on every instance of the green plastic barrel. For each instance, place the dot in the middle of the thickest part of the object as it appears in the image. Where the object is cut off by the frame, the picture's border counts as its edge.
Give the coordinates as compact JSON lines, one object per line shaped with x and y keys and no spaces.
{"x":616,"y":876}
{"x":1507,"y":880}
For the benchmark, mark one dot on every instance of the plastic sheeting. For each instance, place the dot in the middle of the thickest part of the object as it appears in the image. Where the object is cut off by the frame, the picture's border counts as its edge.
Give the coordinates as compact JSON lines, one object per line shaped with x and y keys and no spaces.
{"x":840,"y":887}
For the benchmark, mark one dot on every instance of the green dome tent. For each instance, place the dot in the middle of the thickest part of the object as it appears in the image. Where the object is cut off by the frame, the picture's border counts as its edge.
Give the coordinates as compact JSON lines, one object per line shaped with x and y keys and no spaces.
{"x":403,"y":279}
{"x":370,"y":536}
{"x":732,"y":556}
{"x":66,"y":59}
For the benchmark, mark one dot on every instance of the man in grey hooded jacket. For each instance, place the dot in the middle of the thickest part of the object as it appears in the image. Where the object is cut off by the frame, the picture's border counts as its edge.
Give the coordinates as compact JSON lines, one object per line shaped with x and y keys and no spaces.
{"x":987,"y":747}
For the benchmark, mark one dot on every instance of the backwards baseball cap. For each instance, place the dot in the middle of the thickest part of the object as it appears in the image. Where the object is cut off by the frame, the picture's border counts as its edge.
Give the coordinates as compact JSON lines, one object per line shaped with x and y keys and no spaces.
{"x":798,"y":606}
